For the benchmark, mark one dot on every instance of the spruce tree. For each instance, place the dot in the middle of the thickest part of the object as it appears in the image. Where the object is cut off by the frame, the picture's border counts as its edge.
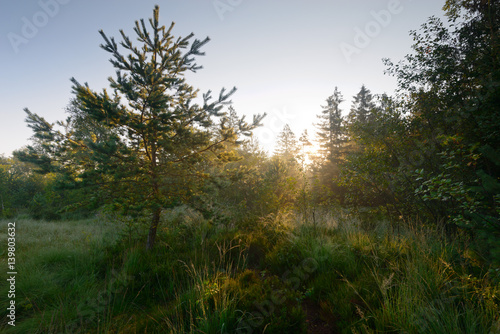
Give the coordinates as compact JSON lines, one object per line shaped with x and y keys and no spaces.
{"x":331,"y":137}
{"x":362,"y":106}
{"x":330,"y":128}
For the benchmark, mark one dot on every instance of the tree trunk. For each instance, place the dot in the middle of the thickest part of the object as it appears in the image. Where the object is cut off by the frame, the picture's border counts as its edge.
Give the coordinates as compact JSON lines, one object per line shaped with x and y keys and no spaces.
{"x":152,"y":229}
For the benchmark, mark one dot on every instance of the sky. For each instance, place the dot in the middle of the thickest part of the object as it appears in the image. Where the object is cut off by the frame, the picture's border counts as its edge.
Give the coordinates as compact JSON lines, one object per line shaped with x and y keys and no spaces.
{"x":285,"y":57}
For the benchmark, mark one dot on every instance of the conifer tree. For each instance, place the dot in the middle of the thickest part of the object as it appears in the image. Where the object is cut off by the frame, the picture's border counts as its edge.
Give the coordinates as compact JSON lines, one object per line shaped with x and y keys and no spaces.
{"x":330,"y":128}
{"x":157,"y":140}
{"x":362,"y":106}
{"x":304,"y":139}
{"x":287,"y":144}
{"x":332,"y":138}
{"x":304,"y":143}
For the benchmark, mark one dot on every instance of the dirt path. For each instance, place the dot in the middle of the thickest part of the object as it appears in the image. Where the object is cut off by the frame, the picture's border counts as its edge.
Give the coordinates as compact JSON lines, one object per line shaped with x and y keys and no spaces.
{"x":318,"y":321}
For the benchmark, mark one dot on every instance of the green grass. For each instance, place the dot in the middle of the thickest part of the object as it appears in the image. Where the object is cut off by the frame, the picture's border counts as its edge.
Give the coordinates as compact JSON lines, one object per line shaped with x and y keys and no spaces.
{"x":409,"y":280}
{"x":58,"y":265}
{"x":94,"y":276}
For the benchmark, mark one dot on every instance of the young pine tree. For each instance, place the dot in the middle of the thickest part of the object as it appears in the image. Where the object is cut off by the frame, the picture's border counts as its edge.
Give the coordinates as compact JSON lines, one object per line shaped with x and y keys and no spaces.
{"x":158,"y":140}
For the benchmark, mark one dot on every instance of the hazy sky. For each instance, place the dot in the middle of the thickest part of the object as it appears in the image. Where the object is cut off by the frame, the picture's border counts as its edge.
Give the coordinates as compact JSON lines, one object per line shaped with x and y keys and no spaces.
{"x":285,"y":57}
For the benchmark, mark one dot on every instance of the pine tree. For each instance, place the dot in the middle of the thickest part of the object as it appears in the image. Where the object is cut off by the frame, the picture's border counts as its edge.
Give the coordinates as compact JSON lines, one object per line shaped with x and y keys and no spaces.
{"x":362,"y":106}
{"x":330,"y":128}
{"x":305,"y":143}
{"x":304,"y":139}
{"x":332,"y":138}
{"x":287,"y":146}
{"x":158,"y":140}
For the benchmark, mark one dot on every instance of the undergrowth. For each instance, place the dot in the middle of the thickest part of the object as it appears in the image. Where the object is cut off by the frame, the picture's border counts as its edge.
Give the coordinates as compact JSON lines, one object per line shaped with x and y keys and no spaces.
{"x":94,"y":276}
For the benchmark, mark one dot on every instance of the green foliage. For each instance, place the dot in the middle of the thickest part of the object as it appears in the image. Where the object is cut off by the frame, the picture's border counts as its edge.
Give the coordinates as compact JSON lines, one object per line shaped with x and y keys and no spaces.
{"x":376,"y":279}
{"x":148,"y":145}
{"x":251,"y":243}
{"x":362,"y":107}
{"x":430,"y":151}
{"x":256,"y":186}
{"x":268,"y":304}
{"x":283,"y":256}
{"x":471,"y":198}
{"x":332,"y":140}
{"x":18,"y":185}
{"x":68,"y":255}
{"x":330,"y":127}
{"x":410,"y":280}
{"x":286,"y":145}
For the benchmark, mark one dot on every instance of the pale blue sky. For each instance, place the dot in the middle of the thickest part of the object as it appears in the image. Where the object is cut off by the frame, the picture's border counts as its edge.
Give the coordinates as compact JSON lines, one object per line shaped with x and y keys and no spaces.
{"x":285,"y":57}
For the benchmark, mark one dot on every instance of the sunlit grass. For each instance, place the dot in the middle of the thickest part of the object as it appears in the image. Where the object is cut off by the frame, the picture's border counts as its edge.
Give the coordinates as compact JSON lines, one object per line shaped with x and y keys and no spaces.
{"x":384,"y":277}
{"x":33,"y":235}
{"x":371,"y":277}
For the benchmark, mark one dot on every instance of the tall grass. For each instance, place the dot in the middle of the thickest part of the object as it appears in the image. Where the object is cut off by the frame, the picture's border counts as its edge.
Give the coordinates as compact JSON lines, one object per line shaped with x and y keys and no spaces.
{"x":92,"y":276}
{"x":386,"y":278}
{"x":57,"y":265}
{"x":207,"y":306}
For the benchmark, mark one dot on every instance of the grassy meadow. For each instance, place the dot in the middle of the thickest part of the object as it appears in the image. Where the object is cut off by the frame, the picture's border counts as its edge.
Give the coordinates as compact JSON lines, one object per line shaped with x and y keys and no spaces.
{"x":280,"y":274}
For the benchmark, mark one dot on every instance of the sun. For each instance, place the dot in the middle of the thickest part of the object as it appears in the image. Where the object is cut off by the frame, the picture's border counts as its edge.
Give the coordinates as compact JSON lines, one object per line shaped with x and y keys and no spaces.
{"x":310,"y":152}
